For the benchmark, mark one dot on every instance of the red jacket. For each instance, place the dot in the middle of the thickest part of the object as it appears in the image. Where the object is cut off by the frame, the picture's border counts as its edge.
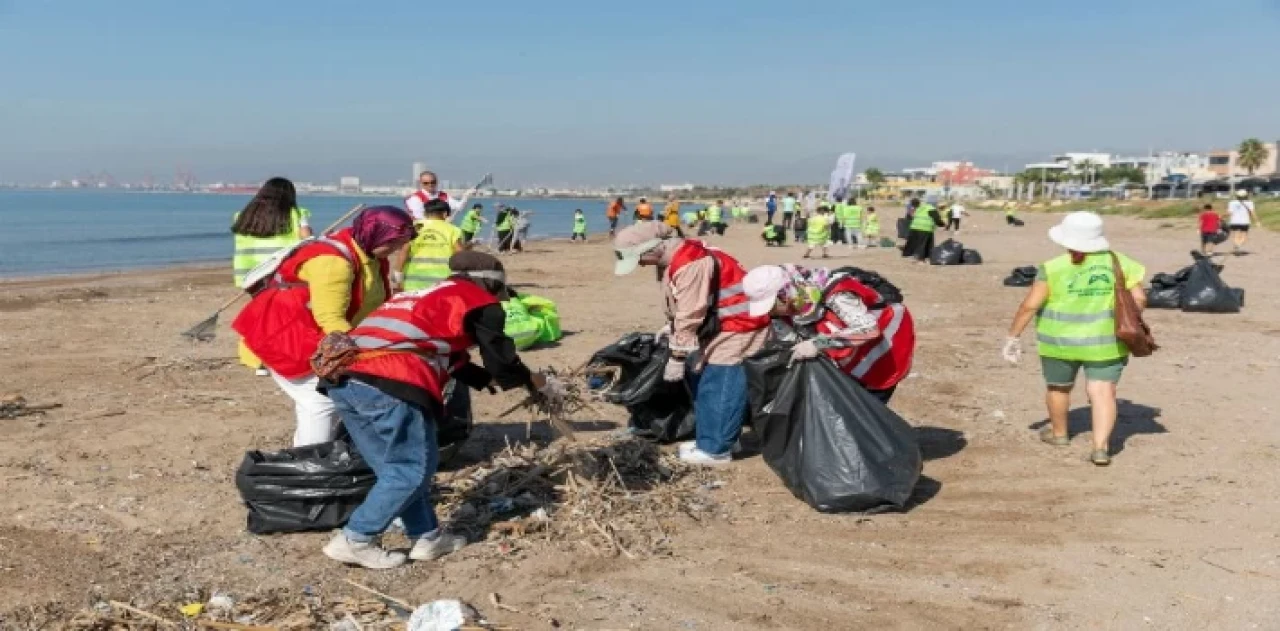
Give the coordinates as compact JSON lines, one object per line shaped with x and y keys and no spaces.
{"x":416,"y":338}
{"x":277,"y":324}
{"x":881,"y":363}
{"x":731,"y":302}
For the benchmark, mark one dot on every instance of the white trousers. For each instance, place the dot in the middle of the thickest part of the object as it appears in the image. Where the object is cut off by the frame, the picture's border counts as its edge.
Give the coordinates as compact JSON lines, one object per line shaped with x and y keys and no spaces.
{"x":317,"y":417}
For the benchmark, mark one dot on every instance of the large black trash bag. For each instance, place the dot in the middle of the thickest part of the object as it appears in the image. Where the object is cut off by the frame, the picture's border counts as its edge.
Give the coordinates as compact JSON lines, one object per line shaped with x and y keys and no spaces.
{"x":951,"y":252}
{"x":1021,"y":277}
{"x":1165,"y":281}
{"x":316,"y":487}
{"x":1205,"y":292}
{"x":970,"y":257}
{"x":1164,"y":297}
{"x":659,"y":410}
{"x":887,"y":290}
{"x":1239,"y":294}
{"x":835,"y":446}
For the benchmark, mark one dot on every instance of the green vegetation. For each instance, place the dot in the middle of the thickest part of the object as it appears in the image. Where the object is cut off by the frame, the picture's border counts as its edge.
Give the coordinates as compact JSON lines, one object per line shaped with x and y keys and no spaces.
{"x":1268,"y":209}
{"x":1252,"y":154}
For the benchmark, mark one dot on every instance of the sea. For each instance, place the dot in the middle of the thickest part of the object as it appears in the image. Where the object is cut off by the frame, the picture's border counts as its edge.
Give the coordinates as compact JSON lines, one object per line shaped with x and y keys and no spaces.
{"x":51,"y":232}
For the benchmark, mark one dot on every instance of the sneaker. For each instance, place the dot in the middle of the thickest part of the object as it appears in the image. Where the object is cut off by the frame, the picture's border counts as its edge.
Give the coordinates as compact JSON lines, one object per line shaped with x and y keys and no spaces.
{"x":702,"y":458}
{"x":687,"y":447}
{"x":1100,"y":457}
{"x":262,"y":372}
{"x":425,"y":549}
{"x":397,"y":524}
{"x":367,"y":554}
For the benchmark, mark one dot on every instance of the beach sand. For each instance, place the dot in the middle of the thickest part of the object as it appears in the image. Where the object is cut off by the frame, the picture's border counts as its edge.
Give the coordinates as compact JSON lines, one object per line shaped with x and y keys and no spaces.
{"x":128,"y":490}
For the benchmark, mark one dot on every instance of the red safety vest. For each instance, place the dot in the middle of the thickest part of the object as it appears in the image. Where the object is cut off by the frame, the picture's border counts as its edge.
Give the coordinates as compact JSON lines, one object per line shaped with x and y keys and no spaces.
{"x":731,"y":300}
{"x":277,"y":324}
{"x":424,"y":198}
{"x":416,"y":338}
{"x":881,"y":363}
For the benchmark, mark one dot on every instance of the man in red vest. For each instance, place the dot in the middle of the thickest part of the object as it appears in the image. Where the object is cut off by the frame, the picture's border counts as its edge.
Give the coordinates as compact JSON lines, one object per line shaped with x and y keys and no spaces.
{"x":870,"y":339}
{"x":709,"y":331}
{"x":429,"y":191}
{"x":387,"y":377}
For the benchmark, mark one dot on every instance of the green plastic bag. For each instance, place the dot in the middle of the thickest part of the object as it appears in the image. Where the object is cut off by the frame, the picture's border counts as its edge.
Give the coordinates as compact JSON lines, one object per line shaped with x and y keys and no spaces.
{"x":521,"y":327}
{"x":547,"y":315}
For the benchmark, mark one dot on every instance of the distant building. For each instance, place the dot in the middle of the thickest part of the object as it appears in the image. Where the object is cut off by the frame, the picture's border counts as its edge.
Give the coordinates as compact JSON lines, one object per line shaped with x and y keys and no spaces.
{"x":349,"y":184}
{"x":1074,"y":160}
{"x":1223,"y":163}
{"x":951,"y":173}
{"x":675,"y":188}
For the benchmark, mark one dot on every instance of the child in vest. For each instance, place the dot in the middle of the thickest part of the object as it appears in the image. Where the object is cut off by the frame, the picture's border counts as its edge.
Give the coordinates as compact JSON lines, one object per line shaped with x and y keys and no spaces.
{"x":579,"y":226}
{"x":818,"y":232}
{"x":871,"y":228}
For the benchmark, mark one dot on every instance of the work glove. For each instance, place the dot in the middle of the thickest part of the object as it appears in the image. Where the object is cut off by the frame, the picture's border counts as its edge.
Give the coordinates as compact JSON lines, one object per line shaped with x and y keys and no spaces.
{"x":674,"y":372}
{"x":1012,"y":352}
{"x":663,"y":333}
{"x":805,"y":350}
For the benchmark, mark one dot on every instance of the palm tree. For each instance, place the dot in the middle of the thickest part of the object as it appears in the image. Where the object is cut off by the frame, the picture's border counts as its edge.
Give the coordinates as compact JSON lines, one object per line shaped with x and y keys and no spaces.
{"x":874,"y":176}
{"x":1252,"y":155}
{"x":1087,"y":168}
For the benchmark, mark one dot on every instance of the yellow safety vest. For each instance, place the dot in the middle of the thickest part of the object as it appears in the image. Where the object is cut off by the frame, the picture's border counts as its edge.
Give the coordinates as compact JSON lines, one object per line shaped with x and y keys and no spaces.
{"x":1078,"y":321}
{"x":429,"y":253}
{"x":250,"y":251}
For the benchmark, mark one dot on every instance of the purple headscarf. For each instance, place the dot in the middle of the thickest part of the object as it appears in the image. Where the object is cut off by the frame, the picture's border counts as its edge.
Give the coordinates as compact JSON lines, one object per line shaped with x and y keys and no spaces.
{"x":380,"y":225}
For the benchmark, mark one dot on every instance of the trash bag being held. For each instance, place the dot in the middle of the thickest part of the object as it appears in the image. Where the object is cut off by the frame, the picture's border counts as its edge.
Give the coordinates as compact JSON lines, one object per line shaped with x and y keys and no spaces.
{"x":1204,"y":291}
{"x":833,"y":444}
{"x":315,"y":487}
{"x":951,"y":252}
{"x":659,"y":410}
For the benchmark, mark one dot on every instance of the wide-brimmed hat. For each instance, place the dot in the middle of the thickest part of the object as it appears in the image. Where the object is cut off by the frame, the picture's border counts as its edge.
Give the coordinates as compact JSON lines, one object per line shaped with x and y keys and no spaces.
{"x":1080,"y":232}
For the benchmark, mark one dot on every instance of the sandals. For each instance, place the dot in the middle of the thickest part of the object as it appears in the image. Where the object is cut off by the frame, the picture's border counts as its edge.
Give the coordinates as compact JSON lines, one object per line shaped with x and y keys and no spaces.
{"x":1100,"y":457}
{"x":1047,"y":436}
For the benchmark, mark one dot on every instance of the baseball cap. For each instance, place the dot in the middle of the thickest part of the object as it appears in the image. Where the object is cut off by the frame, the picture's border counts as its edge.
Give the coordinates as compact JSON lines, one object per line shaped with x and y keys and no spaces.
{"x":761,"y":287}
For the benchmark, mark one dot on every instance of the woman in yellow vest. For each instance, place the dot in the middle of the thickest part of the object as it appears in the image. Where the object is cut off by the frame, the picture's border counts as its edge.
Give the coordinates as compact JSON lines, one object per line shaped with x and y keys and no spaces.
{"x":1073,"y":303}
{"x":270,"y":222}
{"x":426,"y":263}
{"x":924,"y":220}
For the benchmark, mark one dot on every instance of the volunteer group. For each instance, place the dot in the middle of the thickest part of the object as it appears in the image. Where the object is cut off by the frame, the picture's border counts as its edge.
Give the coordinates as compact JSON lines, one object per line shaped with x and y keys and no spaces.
{"x":365,"y":327}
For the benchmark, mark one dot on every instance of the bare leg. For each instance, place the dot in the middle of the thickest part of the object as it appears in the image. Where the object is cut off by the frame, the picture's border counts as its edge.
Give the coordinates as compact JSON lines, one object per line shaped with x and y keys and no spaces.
{"x":1102,"y":402}
{"x":1058,"y":400}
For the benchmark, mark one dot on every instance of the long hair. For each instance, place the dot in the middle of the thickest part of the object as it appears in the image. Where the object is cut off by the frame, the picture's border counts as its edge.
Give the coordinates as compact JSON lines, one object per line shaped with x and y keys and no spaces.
{"x":270,"y":212}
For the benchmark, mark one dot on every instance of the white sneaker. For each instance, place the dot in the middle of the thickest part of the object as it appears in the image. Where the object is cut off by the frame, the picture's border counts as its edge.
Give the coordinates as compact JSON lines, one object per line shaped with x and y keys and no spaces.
{"x":702,"y":458}
{"x":367,"y":555}
{"x":396,"y":524}
{"x":687,"y":447}
{"x":425,"y":549}
{"x":262,"y":372}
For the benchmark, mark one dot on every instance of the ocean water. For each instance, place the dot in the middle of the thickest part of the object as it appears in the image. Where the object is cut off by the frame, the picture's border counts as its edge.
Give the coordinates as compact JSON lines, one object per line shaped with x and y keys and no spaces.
{"x":70,"y":231}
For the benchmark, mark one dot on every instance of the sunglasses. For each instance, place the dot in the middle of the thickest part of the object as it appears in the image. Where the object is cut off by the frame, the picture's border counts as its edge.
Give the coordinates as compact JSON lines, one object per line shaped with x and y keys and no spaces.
{"x":428,"y":182}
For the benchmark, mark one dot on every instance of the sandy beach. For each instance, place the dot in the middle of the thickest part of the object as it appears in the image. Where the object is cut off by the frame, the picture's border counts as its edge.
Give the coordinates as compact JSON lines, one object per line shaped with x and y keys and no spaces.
{"x":127,"y":491}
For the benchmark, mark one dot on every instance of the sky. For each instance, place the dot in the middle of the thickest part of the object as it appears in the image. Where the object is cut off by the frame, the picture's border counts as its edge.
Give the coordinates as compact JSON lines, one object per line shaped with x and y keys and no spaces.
{"x":589,"y":92}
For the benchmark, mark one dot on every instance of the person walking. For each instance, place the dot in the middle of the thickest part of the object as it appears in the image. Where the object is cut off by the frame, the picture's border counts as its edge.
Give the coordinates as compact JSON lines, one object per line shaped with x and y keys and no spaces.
{"x":955,"y":213}
{"x":671,"y":215}
{"x":1073,"y":304}
{"x":818,"y":232}
{"x":471,"y":223}
{"x":771,"y":207}
{"x":788,"y":209}
{"x":387,"y":377}
{"x":1240,"y":215}
{"x":524,"y":222}
{"x":924,"y":221}
{"x":270,"y":222}
{"x":505,"y":224}
{"x":871,"y":341}
{"x":708,"y":329}
{"x":1210,"y":225}
{"x":326,"y":286}
{"x":579,"y":226}
{"x":426,"y":263}
{"x":612,"y":213}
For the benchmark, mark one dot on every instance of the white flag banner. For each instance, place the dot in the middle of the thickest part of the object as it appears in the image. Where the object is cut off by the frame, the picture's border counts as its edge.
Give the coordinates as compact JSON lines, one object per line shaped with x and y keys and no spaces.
{"x":841,"y":177}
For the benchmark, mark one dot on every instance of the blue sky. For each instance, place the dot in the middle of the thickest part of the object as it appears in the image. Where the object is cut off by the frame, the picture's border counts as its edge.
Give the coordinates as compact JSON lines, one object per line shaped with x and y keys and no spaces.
{"x":571,"y":91}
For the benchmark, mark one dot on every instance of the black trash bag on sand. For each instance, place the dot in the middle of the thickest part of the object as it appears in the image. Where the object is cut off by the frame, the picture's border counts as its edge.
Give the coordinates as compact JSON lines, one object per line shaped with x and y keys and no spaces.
{"x":970,"y":257}
{"x":951,"y":252}
{"x":1204,"y":291}
{"x":316,"y":487}
{"x":833,"y":444}
{"x":1164,"y":297}
{"x":659,"y":410}
{"x":1021,"y":277}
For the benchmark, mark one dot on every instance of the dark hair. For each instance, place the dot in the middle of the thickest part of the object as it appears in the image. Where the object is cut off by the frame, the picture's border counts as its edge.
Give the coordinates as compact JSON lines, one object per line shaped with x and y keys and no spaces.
{"x":1208,"y":207}
{"x":436,"y":207}
{"x":270,"y":212}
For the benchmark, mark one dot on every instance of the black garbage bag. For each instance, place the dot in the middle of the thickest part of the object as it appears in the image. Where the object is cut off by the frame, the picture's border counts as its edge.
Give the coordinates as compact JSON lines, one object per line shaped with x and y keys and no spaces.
{"x":659,"y":410}
{"x":1164,"y":298}
{"x":951,"y":252}
{"x":752,"y":218}
{"x":1239,"y":294}
{"x":835,"y":446}
{"x":1165,"y":281}
{"x":1017,"y":222}
{"x":1205,"y":292}
{"x":970,"y":257}
{"x":316,"y":487}
{"x":904,"y":227}
{"x":1019,"y":281}
{"x":886,"y":289}
{"x":1219,"y":237}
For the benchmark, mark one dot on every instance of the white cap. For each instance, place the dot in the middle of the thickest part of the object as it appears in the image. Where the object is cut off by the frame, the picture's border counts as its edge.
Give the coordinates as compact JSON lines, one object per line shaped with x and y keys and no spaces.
{"x":1242,"y":193}
{"x":761,"y":287}
{"x":1080,"y":232}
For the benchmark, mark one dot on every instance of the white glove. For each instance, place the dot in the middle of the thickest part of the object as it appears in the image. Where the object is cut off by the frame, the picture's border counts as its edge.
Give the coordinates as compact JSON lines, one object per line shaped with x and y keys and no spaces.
{"x":674,"y":372}
{"x":1012,"y":350}
{"x":804,"y":351}
{"x":663,"y":333}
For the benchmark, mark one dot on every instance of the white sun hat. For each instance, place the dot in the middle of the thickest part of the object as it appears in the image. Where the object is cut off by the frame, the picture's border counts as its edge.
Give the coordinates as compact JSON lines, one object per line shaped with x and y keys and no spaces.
{"x":1242,"y":193}
{"x":1081,"y":232}
{"x":761,"y":286}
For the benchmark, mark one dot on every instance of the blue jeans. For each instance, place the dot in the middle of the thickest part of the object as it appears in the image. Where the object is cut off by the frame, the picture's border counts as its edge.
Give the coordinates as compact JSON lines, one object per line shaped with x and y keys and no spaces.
{"x":719,"y":406}
{"x":398,"y":440}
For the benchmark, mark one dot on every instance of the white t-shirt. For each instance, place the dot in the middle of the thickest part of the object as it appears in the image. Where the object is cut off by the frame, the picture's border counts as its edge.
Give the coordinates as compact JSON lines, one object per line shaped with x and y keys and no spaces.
{"x":788,"y":204}
{"x":416,"y":205}
{"x":1239,"y":212}
{"x":957,"y":211}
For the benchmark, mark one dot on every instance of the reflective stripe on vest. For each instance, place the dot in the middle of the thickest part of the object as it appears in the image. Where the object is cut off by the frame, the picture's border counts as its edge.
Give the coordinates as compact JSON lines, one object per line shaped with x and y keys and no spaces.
{"x":252,"y":251}
{"x":401,"y":327}
{"x":1077,"y":323}
{"x":880,"y":350}
{"x":429,"y":254}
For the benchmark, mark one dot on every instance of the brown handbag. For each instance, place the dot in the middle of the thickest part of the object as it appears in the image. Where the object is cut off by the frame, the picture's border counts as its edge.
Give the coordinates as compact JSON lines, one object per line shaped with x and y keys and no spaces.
{"x":1130,"y":328}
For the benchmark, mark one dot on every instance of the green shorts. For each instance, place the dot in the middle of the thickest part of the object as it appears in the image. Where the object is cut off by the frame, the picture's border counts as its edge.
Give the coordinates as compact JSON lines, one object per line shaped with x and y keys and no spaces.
{"x":1062,"y":372}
